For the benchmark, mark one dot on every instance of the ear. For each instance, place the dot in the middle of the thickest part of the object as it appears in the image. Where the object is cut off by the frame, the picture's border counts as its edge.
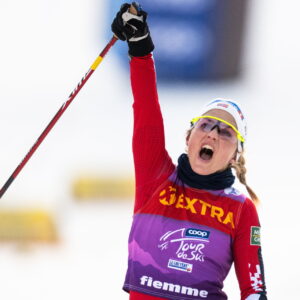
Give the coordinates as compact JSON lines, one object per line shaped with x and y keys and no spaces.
{"x":187,"y":139}
{"x":232,"y":161}
{"x":234,"y":158}
{"x":188,"y":134}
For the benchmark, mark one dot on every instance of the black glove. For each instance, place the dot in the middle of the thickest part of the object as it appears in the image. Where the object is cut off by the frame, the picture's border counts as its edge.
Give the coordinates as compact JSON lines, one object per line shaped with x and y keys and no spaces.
{"x":133,"y":29}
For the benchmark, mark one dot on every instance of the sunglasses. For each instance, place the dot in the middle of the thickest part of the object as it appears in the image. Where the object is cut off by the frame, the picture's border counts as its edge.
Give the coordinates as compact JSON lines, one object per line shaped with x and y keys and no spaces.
{"x":226,"y":130}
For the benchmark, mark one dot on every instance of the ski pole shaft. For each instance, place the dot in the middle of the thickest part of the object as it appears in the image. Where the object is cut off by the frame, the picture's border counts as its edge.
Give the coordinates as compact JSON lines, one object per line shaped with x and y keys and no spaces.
{"x":58,"y":115}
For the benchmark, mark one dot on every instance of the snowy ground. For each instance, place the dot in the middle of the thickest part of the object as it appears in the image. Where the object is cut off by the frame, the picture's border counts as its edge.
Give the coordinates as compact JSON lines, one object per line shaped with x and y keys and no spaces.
{"x":46,"y":48}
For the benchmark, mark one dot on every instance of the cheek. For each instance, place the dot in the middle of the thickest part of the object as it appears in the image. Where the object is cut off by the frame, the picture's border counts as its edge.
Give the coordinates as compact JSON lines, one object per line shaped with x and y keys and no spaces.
{"x":196,"y":136}
{"x":193,"y":140}
{"x":228,"y":152}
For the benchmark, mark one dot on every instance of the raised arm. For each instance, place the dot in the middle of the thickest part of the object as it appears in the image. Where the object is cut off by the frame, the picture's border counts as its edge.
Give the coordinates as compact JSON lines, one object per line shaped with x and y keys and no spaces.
{"x":150,"y":156}
{"x":152,"y":162}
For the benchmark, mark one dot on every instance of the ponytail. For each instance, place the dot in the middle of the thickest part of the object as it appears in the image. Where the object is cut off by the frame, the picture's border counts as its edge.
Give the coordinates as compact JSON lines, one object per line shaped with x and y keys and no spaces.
{"x":241,"y":170}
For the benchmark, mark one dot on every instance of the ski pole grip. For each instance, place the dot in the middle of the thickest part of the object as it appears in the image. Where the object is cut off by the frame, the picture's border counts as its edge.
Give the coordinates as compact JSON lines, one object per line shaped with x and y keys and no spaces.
{"x":133,"y":8}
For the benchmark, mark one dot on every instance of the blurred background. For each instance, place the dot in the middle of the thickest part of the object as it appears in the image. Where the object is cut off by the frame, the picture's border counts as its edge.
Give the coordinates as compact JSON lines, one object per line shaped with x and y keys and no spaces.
{"x":64,"y":221}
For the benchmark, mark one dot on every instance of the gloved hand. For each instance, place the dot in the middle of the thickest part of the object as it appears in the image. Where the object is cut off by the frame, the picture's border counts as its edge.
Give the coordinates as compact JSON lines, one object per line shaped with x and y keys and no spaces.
{"x":134,"y":29}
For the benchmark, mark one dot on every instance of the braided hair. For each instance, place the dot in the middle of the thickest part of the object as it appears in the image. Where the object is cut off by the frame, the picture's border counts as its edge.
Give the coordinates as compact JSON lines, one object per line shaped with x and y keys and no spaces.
{"x":240,"y":169}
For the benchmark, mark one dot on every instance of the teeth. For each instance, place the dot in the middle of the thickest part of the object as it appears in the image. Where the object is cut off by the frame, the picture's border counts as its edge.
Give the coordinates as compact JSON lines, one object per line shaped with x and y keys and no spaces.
{"x":207,"y":147}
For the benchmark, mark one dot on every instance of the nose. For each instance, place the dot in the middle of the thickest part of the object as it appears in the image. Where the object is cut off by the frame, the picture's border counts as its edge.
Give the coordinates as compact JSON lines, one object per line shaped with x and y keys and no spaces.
{"x":214,"y":133}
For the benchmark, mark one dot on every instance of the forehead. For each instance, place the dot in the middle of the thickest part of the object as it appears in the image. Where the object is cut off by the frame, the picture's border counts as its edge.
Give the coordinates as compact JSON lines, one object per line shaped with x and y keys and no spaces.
{"x":222,"y":114}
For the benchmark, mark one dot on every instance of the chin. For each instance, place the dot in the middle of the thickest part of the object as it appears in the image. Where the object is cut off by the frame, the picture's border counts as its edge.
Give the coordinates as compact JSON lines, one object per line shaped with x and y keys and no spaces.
{"x":203,"y":170}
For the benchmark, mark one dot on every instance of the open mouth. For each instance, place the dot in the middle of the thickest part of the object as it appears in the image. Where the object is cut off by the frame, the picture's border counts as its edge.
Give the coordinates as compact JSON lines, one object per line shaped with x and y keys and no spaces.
{"x":206,"y":152}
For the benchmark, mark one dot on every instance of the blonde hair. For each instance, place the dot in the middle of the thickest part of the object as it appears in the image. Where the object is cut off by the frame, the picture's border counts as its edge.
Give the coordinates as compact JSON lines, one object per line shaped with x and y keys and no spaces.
{"x":240,"y":170}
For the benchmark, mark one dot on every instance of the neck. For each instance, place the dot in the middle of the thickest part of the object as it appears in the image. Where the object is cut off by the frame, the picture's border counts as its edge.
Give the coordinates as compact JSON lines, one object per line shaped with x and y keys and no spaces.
{"x":216,"y":181}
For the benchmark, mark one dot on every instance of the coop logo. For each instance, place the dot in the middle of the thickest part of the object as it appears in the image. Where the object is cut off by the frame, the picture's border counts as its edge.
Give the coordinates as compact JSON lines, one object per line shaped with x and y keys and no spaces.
{"x":197,"y":233}
{"x":180,"y":266}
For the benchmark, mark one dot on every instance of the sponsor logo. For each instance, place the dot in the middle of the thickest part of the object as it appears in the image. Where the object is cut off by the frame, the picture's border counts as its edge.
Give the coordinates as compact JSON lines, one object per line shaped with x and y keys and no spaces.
{"x":238,"y":109}
{"x":179,"y":265}
{"x":197,"y":233}
{"x":187,"y":247}
{"x":232,"y":191}
{"x":172,"y":197}
{"x":255,"y":236}
{"x":223,"y":105}
{"x":172,"y":287}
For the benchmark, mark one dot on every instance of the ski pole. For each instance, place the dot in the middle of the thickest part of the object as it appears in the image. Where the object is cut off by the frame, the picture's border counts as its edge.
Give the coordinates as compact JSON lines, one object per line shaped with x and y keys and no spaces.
{"x":58,"y":115}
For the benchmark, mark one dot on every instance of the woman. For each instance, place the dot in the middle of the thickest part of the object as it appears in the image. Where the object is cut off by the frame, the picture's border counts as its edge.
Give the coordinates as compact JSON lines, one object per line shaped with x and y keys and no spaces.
{"x":189,"y":223}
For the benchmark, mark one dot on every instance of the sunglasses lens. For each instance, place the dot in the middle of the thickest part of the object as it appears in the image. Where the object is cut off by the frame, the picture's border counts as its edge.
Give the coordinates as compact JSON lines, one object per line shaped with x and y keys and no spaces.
{"x":206,"y":124}
{"x":225,"y":132}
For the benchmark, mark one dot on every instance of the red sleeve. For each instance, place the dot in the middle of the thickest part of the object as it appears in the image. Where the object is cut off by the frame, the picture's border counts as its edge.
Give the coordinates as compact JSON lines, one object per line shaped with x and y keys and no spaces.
{"x":247,"y":253}
{"x":151,"y":160}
